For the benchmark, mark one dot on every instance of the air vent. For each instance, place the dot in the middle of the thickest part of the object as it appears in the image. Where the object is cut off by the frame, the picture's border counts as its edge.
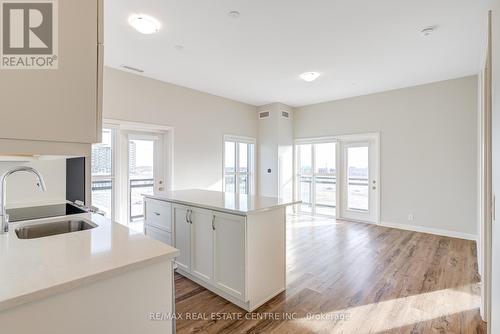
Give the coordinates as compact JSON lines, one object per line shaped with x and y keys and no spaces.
{"x":285,"y":114}
{"x":135,"y":69}
{"x":264,"y":114}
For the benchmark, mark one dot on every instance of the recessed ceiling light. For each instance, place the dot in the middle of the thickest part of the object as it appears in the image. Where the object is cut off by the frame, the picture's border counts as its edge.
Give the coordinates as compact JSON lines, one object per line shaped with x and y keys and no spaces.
{"x":144,"y":24}
{"x":234,"y":14}
{"x":309,"y":76}
{"x":428,"y":31}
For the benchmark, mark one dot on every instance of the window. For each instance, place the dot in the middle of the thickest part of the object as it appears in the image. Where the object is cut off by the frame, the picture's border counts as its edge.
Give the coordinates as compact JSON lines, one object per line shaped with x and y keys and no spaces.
{"x":103,"y":176}
{"x":238,"y":165}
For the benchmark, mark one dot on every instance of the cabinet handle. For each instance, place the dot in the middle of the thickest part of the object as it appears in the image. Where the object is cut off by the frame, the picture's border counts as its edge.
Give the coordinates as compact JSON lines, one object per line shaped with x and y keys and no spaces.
{"x":187,"y":213}
{"x":190,"y":215}
{"x":213,"y":222}
{"x":156,"y":213}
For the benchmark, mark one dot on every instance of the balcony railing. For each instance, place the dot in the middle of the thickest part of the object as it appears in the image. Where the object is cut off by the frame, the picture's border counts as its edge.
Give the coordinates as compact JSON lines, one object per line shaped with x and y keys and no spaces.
{"x":137,"y":188}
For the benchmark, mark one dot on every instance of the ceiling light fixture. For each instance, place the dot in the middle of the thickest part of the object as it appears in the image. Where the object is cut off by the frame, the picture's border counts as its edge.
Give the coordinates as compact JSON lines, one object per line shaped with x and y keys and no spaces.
{"x":310,"y":76}
{"x":428,"y":31}
{"x":144,"y":24}
{"x":234,"y":14}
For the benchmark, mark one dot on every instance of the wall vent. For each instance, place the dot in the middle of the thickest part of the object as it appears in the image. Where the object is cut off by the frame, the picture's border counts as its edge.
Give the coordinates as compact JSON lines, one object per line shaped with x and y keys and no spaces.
{"x":264,"y":114}
{"x":285,"y":114}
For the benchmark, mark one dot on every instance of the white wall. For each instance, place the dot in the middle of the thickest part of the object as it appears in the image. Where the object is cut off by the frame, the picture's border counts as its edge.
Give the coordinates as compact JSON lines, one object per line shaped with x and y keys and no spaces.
{"x":276,"y":152}
{"x":200,"y":121}
{"x":21,"y":187}
{"x":428,"y":149}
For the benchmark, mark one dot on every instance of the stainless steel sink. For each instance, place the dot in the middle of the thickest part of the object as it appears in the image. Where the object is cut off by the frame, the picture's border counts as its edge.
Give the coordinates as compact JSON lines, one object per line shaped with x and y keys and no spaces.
{"x":53,"y":228}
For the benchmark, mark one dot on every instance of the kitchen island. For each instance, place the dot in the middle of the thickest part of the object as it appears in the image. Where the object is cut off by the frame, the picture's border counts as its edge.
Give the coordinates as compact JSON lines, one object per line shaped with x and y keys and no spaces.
{"x":107,"y":279}
{"x":233,"y":245}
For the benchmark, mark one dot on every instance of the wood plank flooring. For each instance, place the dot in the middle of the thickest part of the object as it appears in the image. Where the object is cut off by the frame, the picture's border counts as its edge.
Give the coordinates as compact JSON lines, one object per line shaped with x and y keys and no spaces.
{"x":353,"y":278}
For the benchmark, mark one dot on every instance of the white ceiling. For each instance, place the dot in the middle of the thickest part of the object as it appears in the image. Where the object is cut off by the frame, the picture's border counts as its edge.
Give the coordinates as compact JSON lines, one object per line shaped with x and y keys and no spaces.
{"x":359,"y":46}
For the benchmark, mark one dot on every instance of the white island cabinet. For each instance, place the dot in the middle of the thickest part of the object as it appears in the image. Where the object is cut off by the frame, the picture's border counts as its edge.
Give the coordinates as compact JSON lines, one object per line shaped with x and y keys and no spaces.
{"x":234,"y":245}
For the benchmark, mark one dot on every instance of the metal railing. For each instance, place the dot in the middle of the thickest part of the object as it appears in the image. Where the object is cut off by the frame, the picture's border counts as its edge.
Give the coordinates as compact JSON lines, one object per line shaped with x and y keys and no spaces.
{"x":137,"y":188}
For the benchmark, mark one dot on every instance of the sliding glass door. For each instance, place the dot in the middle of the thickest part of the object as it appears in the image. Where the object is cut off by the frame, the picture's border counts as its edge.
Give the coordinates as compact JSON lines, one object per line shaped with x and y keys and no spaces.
{"x":352,"y":161}
{"x":317,"y":180}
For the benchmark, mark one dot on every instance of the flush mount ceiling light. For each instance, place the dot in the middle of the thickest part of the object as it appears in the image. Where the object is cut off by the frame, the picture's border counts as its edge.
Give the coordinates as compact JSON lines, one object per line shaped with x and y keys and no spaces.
{"x":428,"y":31}
{"x":234,"y":14}
{"x":144,"y":24}
{"x":309,"y":76}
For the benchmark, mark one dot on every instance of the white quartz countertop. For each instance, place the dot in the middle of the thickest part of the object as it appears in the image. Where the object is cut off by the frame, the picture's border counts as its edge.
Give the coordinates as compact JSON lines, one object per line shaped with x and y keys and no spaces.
{"x":31,"y":269}
{"x":225,"y":202}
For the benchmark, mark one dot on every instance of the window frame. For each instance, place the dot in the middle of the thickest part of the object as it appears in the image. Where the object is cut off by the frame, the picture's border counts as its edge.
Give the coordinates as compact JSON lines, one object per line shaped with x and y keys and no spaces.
{"x":113,"y":175}
{"x":237,"y":173}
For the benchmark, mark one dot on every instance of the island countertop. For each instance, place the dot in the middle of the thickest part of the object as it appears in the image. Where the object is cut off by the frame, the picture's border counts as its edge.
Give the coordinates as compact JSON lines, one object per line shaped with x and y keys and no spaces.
{"x":37,"y":268}
{"x":222,"y":201}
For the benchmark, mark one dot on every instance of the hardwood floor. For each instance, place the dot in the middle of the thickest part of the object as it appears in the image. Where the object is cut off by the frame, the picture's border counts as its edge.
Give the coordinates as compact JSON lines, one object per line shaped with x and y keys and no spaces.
{"x":345,"y":277}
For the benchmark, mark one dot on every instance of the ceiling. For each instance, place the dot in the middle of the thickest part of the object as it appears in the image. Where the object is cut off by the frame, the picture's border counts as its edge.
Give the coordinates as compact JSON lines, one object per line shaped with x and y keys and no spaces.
{"x":359,"y":46}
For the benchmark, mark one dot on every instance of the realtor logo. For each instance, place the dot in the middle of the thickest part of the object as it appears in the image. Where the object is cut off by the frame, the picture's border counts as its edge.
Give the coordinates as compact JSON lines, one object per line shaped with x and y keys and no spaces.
{"x":28,"y":34}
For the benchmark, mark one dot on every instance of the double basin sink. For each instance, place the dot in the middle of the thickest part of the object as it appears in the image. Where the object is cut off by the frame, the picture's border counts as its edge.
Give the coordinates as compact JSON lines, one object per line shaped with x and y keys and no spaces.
{"x":41,"y":230}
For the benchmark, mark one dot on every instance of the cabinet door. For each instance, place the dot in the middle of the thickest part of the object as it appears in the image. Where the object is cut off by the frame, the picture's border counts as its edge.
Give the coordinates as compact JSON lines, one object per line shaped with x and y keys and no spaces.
{"x":229,"y":254}
{"x":59,"y":104}
{"x":158,"y":234}
{"x":182,"y":236}
{"x":202,"y":244}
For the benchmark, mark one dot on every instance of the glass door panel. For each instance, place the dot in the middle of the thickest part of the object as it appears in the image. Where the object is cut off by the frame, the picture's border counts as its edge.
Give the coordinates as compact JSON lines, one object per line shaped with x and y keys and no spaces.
{"x":243,"y":158}
{"x":305,"y":178}
{"x":325,"y":184}
{"x":230,"y":183}
{"x":243,"y":183}
{"x":357,"y":178}
{"x":325,"y":188}
{"x":305,"y":163}
{"x":141,"y":161}
{"x":305,"y":194}
{"x":230,"y":157}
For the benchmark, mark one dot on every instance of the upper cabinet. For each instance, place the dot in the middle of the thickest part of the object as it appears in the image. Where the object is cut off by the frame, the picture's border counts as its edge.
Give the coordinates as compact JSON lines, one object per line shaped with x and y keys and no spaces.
{"x":51,"y":70}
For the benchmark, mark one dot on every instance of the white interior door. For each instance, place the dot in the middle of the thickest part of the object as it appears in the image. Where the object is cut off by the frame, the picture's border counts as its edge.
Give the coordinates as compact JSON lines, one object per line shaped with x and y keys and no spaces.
{"x":360,"y":178}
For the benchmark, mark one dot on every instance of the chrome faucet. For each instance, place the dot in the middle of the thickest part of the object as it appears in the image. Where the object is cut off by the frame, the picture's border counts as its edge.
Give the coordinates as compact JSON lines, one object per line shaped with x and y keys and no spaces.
{"x":4,"y":217}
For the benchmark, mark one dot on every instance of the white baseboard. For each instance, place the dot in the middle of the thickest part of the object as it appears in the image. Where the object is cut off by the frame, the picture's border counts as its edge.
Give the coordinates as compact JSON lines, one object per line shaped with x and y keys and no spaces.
{"x":436,"y":231}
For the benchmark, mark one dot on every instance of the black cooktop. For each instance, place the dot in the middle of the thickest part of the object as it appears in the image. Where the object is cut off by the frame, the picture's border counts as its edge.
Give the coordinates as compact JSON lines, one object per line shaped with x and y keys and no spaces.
{"x":46,"y":211}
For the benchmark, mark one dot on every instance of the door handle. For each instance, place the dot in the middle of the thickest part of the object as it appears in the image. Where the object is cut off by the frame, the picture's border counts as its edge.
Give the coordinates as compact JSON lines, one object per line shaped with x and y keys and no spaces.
{"x":190,"y":216}
{"x":213,"y":222}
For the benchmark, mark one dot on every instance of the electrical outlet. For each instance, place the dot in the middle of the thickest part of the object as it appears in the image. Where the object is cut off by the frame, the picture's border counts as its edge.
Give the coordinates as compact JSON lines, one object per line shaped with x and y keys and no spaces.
{"x":410,"y":217}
